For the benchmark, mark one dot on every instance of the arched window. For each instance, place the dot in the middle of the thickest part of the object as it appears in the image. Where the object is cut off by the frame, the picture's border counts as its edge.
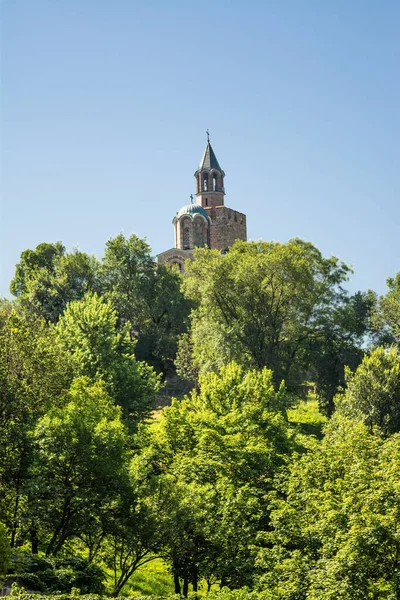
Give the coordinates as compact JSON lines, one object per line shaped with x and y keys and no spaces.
{"x":215,"y":181}
{"x":186,"y":238}
{"x":206,"y":201}
{"x":198,"y":233}
{"x":205,"y":182}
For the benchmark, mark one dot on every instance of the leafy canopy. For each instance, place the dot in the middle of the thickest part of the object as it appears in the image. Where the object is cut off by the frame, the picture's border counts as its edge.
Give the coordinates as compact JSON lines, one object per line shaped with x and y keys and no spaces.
{"x":373,"y":392}
{"x":262,"y":304}
{"x":88,"y":331}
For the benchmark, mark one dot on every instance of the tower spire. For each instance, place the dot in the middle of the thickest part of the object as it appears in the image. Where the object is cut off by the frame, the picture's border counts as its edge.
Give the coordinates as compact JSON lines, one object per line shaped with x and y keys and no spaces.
{"x":210,"y":189}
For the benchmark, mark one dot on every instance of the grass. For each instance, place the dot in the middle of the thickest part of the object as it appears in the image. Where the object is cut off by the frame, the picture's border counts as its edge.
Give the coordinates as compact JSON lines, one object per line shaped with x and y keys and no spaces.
{"x":153,"y":579}
{"x":307,"y":417}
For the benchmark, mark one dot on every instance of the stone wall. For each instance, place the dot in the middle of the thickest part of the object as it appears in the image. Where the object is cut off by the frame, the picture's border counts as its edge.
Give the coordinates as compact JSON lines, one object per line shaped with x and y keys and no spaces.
{"x":227,"y":226}
{"x":175,"y":257}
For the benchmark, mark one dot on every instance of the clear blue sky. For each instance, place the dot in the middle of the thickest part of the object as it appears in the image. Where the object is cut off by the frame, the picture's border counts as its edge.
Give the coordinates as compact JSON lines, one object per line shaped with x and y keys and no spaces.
{"x":106,"y":102}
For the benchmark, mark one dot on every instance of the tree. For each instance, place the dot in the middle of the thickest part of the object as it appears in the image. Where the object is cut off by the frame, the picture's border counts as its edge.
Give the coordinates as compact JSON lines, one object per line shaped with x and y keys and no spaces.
{"x":48,"y":278}
{"x":5,"y":550}
{"x":33,"y":262}
{"x":88,"y":331}
{"x":126,"y":267}
{"x":387,"y":317}
{"x":222,"y":446}
{"x":79,"y":463}
{"x":335,"y":526}
{"x":373,"y":392}
{"x":342,"y":332}
{"x":166,"y":317}
{"x":261,"y":304}
{"x":141,"y":523}
{"x":34,"y":373}
{"x":148,"y":295}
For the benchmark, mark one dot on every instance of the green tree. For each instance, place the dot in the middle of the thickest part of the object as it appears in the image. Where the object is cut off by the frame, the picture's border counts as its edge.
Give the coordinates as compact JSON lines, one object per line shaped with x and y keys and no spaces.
{"x":126,"y":267}
{"x":88,"y":331}
{"x":342,"y":332}
{"x":141,"y":523}
{"x":34,"y":373}
{"x":261,"y":305}
{"x":373,"y":392}
{"x":48,"y":278}
{"x":336,"y":532}
{"x":386,"y":319}
{"x":166,"y":317}
{"x":148,"y":295}
{"x":222,"y":446}
{"x":5,"y":550}
{"x":79,"y":463}
{"x":34,"y":262}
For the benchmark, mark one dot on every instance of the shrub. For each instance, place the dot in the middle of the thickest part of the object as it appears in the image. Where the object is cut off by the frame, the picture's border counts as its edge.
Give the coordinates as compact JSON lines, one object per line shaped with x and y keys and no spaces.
{"x":5,"y":550}
{"x":57,"y":574}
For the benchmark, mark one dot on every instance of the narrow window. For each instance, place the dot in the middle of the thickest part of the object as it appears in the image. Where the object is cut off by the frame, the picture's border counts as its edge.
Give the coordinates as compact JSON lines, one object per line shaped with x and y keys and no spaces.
{"x":205,"y":182}
{"x":206,"y":201}
{"x":186,"y":239}
{"x":214,"y":182}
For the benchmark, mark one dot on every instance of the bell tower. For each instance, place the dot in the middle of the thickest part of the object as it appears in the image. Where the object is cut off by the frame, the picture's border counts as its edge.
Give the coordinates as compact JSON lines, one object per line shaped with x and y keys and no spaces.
{"x":210,"y":189}
{"x":208,"y":222}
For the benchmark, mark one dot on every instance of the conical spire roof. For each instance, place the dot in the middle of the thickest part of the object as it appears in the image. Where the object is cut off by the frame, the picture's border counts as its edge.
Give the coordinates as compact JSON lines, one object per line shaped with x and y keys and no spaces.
{"x":209,"y":160}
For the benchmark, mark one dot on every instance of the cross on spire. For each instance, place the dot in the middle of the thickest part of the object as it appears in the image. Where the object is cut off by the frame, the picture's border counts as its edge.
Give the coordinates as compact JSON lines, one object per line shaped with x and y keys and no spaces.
{"x":208,"y":135}
{"x":191,"y":198}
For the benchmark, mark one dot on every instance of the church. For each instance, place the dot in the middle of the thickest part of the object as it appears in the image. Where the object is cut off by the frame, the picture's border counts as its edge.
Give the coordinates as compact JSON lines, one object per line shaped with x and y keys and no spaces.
{"x":207,"y":222}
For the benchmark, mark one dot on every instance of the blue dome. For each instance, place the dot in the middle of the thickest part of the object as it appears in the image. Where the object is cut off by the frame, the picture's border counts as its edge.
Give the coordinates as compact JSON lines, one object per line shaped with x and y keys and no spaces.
{"x":191,"y":210}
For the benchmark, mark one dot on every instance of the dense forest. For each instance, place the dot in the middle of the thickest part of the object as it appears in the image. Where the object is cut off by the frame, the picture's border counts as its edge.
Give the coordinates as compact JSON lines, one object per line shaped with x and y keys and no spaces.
{"x":238,"y":424}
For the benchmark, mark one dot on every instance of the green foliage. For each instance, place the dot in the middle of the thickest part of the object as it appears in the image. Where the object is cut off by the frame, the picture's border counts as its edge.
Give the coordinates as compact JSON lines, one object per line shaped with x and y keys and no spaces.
{"x":373,"y":392}
{"x":5,"y":550}
{"x":57,"y":574}
{"x":126,"y":266}
{"x":387,"y":317}
{"x":214,"y":486}
{"x":34,"y":373}
{"x":262,"y":305}
{"x":47,"y":278}
{"x":221,"y":448}
{"x":144,"y":293}
{"x":78,"y":467}
{"x":153,"y":579}
{"x":225,"y":594}
{"x":87,"y":330}
{"x":32,"y":263}
{"x":148,"y":296}
{"x":336,"y":535}
{"x":307,"y":417}
{"x":338,"y":344}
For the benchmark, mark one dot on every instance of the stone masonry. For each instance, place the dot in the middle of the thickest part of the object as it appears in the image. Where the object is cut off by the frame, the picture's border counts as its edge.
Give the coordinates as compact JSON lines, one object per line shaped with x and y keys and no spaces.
{"x":208,"y":222}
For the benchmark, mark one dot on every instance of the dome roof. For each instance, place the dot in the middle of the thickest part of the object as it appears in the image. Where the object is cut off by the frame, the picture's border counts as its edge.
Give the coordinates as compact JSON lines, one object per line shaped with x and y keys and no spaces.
{"x":191,"y":210}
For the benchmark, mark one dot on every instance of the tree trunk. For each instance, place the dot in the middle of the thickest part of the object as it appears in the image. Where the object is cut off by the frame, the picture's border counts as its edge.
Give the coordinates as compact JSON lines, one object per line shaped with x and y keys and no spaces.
{"x":15,"y":521}
{"x":194,"y":580}
{"x":34,"y":539}
{"x":185,"y":586}
{"x":177,"y":584}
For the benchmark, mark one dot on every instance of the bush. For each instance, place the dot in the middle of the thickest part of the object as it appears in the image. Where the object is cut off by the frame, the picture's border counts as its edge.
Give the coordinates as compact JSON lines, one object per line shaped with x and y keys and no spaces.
{"x":57,"y":574}
{"x":5,"y":550}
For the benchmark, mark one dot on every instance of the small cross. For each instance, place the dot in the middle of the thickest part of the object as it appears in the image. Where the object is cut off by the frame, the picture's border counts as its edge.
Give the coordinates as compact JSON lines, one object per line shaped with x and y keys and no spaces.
{"x":191,"y":198}
{"x":208,"y":135}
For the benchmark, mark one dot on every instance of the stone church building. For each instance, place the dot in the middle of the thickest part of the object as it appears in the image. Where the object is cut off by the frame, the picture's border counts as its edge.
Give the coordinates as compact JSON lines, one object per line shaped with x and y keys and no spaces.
{"x":207,"y":222}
